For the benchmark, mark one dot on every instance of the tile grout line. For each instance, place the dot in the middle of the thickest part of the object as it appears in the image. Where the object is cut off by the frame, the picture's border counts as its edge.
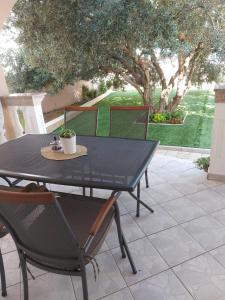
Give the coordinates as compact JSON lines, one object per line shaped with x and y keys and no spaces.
{"x":181,"y":282}
{"x":75,"y":297}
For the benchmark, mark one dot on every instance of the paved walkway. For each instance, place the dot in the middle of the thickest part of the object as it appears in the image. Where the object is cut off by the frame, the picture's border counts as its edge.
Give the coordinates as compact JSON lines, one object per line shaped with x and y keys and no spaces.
{"x":179,"y":250}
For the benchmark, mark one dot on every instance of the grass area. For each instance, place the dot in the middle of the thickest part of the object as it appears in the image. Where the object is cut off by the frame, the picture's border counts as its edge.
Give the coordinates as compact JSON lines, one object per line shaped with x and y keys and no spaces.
{"x":195,"y":132}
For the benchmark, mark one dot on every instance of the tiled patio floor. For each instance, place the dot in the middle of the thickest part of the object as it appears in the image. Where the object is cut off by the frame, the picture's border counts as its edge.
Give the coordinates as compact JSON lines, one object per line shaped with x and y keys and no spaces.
{"x":179,"y":250}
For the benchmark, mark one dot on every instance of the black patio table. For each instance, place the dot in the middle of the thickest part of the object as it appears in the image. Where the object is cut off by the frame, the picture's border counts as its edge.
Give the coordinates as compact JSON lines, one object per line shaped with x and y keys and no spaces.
{"x":115,"y":164}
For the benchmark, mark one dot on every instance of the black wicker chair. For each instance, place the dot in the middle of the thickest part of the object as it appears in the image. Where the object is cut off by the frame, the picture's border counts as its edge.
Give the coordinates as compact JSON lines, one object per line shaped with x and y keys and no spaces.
{"x":59,"y":233}
{"x":3,"y":232}
{"x":130,"y":122}
{"x":89,"y":116}
{"x":88,"y":126}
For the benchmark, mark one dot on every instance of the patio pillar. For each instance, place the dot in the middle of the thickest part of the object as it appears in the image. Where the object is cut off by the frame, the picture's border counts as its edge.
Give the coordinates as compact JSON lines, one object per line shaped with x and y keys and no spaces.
{"x":13,"y":126}
{"x":33,"y":114}
{"x":2,"y":129}
{"x":3,"y":92}
{"x":217,"y":156}
{"x":30,"y":105}
{"x":5,"y":8}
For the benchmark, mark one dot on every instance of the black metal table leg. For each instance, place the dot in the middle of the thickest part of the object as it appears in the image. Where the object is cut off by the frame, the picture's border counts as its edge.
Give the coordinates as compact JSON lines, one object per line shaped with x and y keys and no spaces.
{"x":133,"y":267}
{"x":123,"y":244}
{"x":139,"y":201}
{"x":3,"y":281}
{"x":119,"y":230}
{"x":146,"y":178}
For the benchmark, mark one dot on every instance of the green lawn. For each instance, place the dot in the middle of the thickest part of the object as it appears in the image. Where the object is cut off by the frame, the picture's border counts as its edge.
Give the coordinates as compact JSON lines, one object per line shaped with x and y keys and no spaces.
{"x":195,"y":132}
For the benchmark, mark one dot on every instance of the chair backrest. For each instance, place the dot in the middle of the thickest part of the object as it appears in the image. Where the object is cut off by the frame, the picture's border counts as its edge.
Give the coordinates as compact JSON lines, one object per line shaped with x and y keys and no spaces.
{"x":38,"y":226}
{"x":129,"y":121}
{"x":84,"y":120}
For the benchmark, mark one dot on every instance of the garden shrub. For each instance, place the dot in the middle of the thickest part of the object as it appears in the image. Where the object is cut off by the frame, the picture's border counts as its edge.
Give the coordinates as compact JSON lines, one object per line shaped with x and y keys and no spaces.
{"x":175,"y":117}
{"x":102,"y":88}
{"x":88,"y":94}
{"x":203,"y":163}
{"x":158,"y":118}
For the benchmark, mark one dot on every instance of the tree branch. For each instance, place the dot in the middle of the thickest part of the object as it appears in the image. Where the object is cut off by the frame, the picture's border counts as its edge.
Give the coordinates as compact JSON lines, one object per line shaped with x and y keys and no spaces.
{"x":159,"y":70}
{"x":122,"y":73}
{"x":184,"y":63}
{"x":137,"y":76}
{"x":130,"y":81}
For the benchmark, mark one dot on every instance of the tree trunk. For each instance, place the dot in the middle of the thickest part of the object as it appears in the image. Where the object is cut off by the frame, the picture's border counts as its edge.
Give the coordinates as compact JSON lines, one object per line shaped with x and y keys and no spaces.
{"x":173,"y":104}
{"x":181,"y":90}
{"x":146,"y":96}
{"x":148,"y":86}
{"x":164,"y":98}
{"x":183,"y":76}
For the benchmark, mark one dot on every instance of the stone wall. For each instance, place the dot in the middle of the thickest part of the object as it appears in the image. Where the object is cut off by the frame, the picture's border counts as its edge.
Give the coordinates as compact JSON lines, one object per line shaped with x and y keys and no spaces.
{"x":69,"y":95}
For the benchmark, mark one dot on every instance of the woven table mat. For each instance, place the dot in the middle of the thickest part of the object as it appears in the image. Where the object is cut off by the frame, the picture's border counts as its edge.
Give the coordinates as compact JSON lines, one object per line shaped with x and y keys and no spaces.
{"x":48,"y":153}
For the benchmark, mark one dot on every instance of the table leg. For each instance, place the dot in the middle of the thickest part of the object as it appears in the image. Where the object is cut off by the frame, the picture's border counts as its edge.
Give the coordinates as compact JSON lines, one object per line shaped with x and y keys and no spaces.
{"x":119,"y":230}
{"x":146,"y":178}
{"x":139,"y":201}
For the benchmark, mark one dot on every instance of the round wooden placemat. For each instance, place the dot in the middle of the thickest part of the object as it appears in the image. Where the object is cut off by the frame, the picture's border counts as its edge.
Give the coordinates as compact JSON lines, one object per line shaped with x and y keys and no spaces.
{"x":48,"y":153}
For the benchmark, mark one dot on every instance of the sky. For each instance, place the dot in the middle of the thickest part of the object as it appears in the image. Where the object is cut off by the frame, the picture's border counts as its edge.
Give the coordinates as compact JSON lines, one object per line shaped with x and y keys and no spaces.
{"x":7,"y":42}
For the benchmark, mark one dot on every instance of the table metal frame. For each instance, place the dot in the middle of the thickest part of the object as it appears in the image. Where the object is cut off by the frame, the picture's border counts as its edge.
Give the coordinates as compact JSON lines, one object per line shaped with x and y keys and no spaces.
{"x":6,"y":174}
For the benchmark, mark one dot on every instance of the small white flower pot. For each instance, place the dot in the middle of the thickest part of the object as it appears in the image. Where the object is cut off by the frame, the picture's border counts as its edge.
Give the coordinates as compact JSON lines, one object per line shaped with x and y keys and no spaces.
{"x":69,"y":145}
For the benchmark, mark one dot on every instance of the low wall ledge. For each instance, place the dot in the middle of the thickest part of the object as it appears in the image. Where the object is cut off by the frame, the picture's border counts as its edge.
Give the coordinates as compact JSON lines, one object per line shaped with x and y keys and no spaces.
{"x":219,"y":87}
{"x":22,"y":96}
{"x":26,"y":99}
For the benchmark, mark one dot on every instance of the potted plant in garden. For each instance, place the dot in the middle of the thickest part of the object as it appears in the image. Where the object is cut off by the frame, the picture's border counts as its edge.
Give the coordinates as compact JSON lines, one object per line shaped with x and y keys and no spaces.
{"x":203,"y":163}
{"x":68,"y":140}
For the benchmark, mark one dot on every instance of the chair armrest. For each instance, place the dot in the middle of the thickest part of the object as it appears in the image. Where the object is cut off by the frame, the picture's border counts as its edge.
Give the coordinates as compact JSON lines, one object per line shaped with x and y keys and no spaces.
{"x":102,"y":213}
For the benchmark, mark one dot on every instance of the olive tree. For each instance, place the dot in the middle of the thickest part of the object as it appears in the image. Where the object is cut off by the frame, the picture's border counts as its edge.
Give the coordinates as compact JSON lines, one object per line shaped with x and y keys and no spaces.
{"x":86,"y":39}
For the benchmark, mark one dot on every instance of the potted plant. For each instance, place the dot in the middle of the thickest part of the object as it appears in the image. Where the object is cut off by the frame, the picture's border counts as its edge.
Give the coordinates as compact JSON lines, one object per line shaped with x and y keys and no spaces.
{"x":203,"y":163}
{"x":68,"y":140}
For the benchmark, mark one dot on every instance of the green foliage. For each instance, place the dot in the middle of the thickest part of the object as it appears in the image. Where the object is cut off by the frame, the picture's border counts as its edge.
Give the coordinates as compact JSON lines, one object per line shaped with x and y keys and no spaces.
{"x":102,"y":87}
{"x":179,"y":113}
{"x":158,"y":118}
{"x":23,"y":78}
{"x":118,"y":83}
{"x":122,"y":38}
{"x":88,"y":94}
{"x":175,"y":117}
{"x":67,"y":133}
{"x":109,"y":83}
{"x":93,"y":37}
{"x":203,"y":163}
